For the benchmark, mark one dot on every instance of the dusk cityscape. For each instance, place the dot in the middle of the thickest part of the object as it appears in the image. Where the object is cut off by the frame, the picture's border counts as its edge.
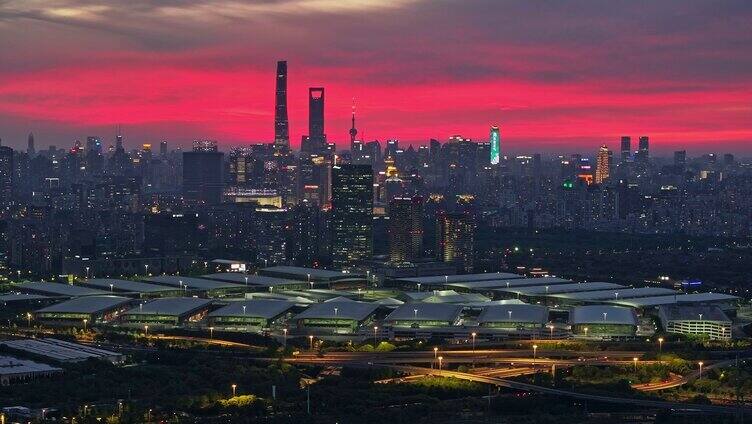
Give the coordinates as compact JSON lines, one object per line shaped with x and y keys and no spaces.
{"x":369,"y":211}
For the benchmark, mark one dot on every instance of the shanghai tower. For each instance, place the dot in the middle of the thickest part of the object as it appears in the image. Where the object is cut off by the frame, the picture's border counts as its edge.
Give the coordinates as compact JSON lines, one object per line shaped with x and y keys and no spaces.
{"x":281,"y":130}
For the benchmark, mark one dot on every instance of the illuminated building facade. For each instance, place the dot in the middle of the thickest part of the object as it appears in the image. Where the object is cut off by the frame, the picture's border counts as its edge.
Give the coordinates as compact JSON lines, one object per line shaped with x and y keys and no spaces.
{"x":405,"y":229}
{"x":602,"y":165}
{"x":352,"y":214}
{"x":281,"y":129}
{"x":456,"y":239}
{"x":495,"y":140}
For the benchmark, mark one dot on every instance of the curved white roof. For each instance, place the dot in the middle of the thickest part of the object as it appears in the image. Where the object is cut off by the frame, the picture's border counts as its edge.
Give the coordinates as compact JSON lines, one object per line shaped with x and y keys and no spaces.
{"x":603,"y":314}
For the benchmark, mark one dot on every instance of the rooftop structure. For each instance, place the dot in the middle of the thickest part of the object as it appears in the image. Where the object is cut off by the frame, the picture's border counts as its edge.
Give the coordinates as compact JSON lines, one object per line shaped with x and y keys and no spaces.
{"x":89,"y":308}
{"x":513,"y":316}
{"x":168,"y":311}
{"x":256,"y":313}
{"x":339,"y":317}
{"x":603,"y":321}
{"x":127,"y":286}
{"x":61,"y":350}
{"x":57,"y":289}
{"x":510,"y":283}
{"x":306,"y":274}
{"x":197,"y":284}
{"x":21,"y":297}
{"x":445,"y":296}
{"x":545,"y":290}
{"x":21,"y":370}
{"x":603,"y":314}
{"x":417,"y":315}
{"x":626,"y":293}
{"x":462,"y":278}
{"x":699,"y":298}
{"x":258,"y":281}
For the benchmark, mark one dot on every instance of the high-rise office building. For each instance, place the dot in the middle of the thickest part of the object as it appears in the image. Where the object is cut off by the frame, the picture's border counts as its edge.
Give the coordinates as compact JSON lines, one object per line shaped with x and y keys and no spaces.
{"x":30,"y":149}
{"x":202,"y":173}
{"x":6,"y":175}
{"x":405,"y":229}
{"x":680,"y":160}
{"x":626,"y":148}
{"x":281,"y":125}
{"x":456,"y":239}
{"x":495,"y":140}
{"x":352,"y":214}
{"x":602,"y":165}
{"x":315,"y":142}
{"x":163,"y":148}
{"x":643,"y":149}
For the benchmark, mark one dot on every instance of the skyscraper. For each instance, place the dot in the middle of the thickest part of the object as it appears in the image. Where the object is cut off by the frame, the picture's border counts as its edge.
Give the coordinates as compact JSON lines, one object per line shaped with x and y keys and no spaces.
{"x":495,"y":140}
{"x":315,"y":142}
{"x":456,"y":239}
{"x":6,"y":175}
{"x":644,"y":148}
{"x":30,"y":149}
{"x":281,"y":126}
{"x":626,"y":148}
{"x":602,"y":165}
{"x":405,"y":229}
{"x":202,"y":173}
{"x":352,"y":214}
{"x":680,"y":160}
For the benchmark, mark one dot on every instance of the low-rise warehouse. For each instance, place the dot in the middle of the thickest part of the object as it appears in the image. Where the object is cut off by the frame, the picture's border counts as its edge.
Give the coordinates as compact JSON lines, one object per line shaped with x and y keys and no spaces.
{"x":259,"y":313}
{"x":514,"y":317}
{"x":14,"y":370}
{"x":58,"y":289}
{"x":211,"y":287}
{"x":603,"y":322}
{"x":336,"y":317}
{"x":695,"y":320}
{"x":170,"y":311}
{"x":62,"y":351}
{"x":420,"y":315}
{"x":135,"y":287}
{"x":83,"y":310}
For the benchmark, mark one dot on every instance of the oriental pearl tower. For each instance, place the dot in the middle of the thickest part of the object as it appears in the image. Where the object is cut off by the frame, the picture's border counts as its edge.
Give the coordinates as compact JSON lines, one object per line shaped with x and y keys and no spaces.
{"x":354,"y":146}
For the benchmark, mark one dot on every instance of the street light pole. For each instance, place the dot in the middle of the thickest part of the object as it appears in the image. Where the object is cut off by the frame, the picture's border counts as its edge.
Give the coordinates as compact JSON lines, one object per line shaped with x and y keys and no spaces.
{"x":635,"y":363}
{"x":234,"y":387}
{"x":700,"y":364}
{"x":441,"y":358}
{"x":535,"y":354}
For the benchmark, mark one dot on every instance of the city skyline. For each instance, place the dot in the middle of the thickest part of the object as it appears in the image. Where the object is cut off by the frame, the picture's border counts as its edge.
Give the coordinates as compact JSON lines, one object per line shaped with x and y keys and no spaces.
{"x":552,"y":80}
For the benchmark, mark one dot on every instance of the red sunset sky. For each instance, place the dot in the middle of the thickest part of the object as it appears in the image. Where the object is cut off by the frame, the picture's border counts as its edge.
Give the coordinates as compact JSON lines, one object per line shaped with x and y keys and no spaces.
{"x":556,"y":75}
